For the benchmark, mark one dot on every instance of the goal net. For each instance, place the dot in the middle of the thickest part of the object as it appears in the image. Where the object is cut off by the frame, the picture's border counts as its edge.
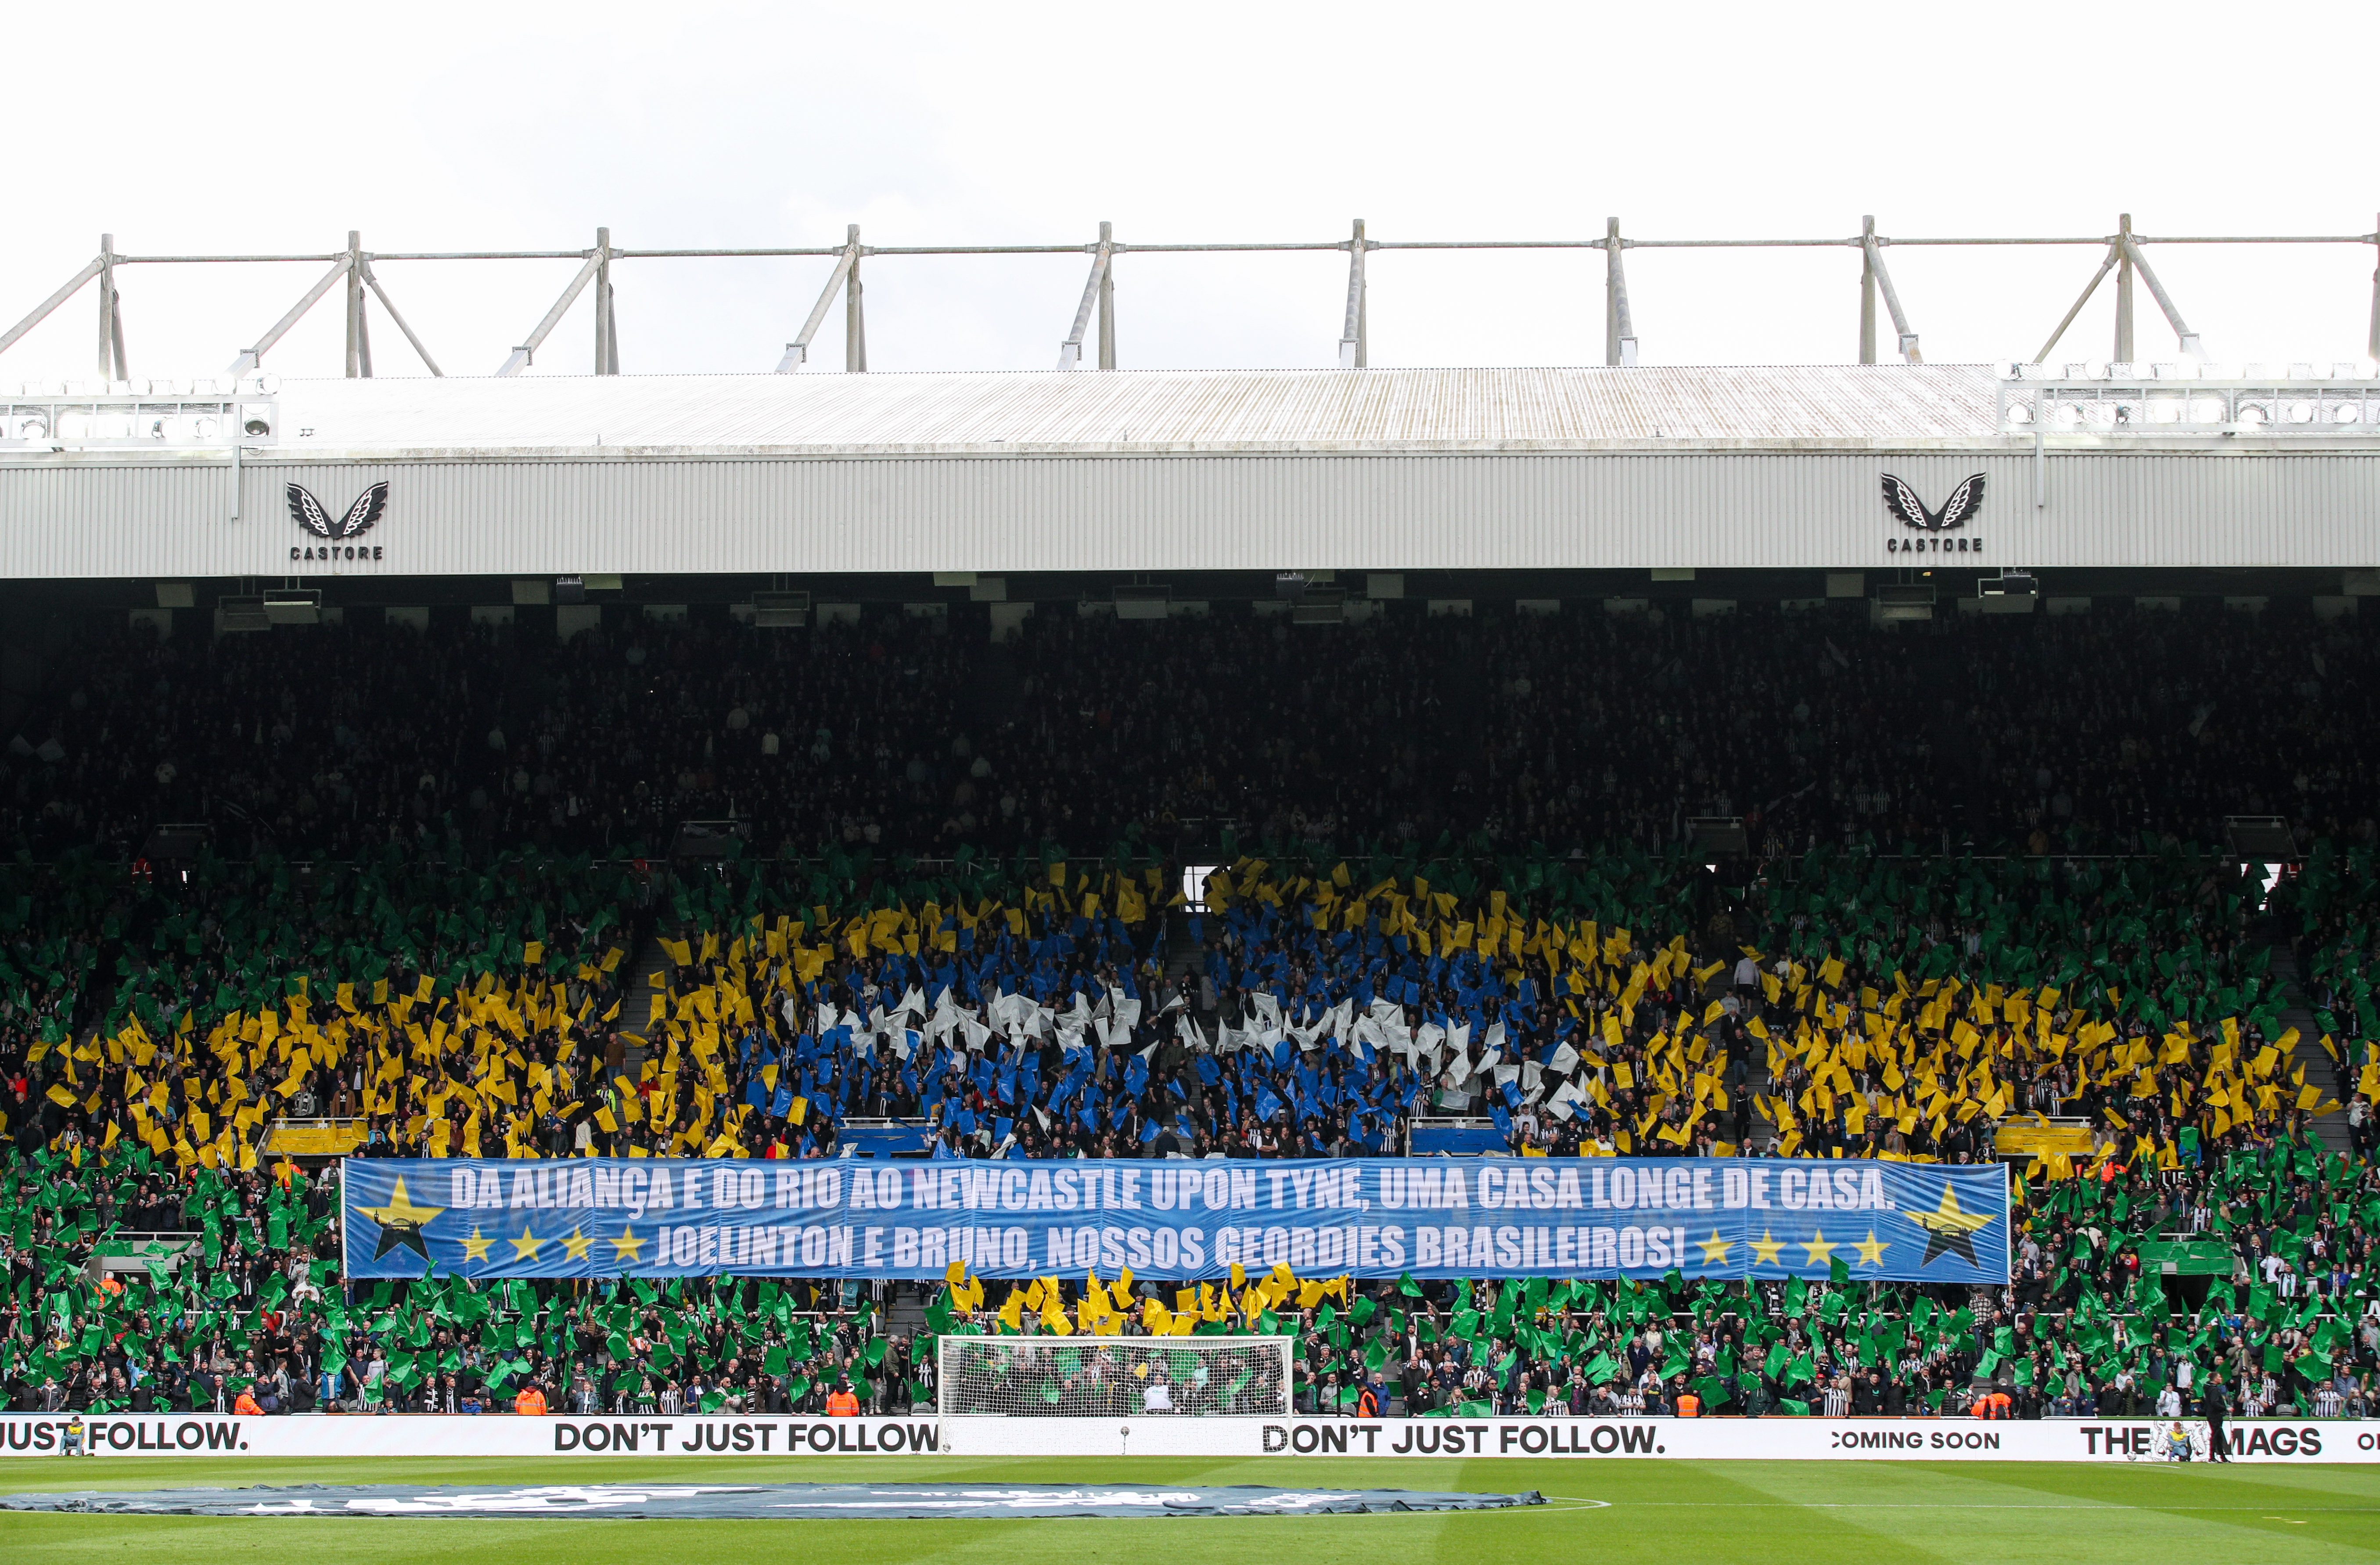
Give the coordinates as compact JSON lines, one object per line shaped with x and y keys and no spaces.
{"x":1111,"y":1376}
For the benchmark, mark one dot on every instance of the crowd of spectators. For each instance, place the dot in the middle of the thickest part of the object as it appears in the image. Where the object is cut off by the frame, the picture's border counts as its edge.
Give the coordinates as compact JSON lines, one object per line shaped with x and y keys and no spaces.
{"x":2115,"y":731}
{"x":254,"y":1318}
{"x":1836,"y":1005}
{"x":447,"y":872}
{"x":1316,"y":1013}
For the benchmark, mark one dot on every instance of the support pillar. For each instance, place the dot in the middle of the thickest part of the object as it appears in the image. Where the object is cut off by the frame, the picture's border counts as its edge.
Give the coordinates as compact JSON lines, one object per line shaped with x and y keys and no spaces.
{"x":359,"y":327}
{"x":855,"y":320}
{"x":1867,"y":289}
{"x":1619,"y":325}
{"x":2372,"y":347}
{"x":111,"y":329}
{"x":607,"y":360}
{"x":2124,"y":289}
{"x":1106,"y":301}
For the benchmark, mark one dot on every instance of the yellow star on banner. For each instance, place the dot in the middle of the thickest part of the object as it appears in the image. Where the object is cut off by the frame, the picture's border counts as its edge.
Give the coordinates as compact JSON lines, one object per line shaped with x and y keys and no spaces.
{"x":1948,"y":1229}
{"x":1871,"y":1252}
{"x":476,"y":1248}
{"x":1714,"y":1249}
{"x":1820,"y":1251}
{"x":1768,"y":1250}
{"x":577,"y":1245}
{"x":401,"y":1223}
{"x":627,"y":1247}
{"x":525,"y":1247}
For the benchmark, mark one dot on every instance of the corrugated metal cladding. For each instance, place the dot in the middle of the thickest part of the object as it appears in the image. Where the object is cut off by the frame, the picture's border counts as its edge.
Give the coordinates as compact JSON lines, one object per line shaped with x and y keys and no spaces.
{"x":1205,"y":409}
{"x":459,"y":515}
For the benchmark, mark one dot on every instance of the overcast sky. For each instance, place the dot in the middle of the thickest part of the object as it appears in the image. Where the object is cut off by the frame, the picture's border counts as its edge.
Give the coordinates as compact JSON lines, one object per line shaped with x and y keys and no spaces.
{"x":262,"y":128}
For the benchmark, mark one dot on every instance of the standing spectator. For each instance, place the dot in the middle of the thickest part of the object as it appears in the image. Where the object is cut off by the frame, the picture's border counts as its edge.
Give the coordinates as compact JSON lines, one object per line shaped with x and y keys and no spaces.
{"x":2214,"y":1405}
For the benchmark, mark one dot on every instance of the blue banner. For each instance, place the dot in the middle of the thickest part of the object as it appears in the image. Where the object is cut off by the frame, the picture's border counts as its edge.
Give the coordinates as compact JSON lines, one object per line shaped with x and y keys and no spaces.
{"x":1170,"y":1219}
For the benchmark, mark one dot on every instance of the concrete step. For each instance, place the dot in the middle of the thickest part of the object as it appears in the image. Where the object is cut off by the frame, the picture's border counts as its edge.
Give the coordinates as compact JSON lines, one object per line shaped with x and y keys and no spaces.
{"x":1183,"y":955}
{"x":636,"y":1002}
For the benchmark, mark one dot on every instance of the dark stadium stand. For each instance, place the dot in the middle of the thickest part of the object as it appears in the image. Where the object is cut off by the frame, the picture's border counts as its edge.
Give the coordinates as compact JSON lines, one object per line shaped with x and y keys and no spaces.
{"x":2112,"y":732}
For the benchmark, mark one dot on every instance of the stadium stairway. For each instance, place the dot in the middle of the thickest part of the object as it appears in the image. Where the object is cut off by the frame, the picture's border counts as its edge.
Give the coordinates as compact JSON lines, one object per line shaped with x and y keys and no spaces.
{"x":636,"y":1012}
{"x":1182,"y":954}
{"x":905,"y":1312}
{"x":2321,"y":1071}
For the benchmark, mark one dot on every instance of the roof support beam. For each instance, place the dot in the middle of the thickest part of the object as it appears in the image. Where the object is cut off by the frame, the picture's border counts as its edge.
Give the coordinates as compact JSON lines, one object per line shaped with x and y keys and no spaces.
{"x":2124,"y":288}
{"x":2088,"y":289}
{"x":48,"y":306}
{"x":111,"y":315}
{"x":1867,"y":291}
{"x":1873,"y":247}
{"x":1107,"y":312}
{"x":855,"y":310}
{"x":249,"y":359}
{"x":2190,"y":345}
{"x":363,"y":264}
{"x":1618,"y":328}
{"x":607,"y":346}
{"x":1353,"y":336}
{"x":797,"y":352}
{"x":358,"y":329}
{"x":525,"y":355}
{"x":1097,"y":294}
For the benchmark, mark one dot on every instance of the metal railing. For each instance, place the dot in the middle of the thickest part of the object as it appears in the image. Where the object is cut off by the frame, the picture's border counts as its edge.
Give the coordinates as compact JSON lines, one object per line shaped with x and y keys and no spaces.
{"x":352,"y":269}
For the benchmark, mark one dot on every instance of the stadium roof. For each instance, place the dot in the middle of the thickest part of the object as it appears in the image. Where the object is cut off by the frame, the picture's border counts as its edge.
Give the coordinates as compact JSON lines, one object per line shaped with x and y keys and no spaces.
{"x":1221,"y":410}
{"x":1762,"y":467}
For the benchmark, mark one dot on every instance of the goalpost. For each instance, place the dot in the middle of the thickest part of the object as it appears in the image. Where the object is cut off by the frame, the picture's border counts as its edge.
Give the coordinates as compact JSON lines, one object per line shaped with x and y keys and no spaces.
{"x":1110,"y":1377}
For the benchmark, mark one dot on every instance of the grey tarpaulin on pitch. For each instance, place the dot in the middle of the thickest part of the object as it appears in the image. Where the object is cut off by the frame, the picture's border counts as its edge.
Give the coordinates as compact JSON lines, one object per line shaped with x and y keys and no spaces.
{"x":789,"y":1501}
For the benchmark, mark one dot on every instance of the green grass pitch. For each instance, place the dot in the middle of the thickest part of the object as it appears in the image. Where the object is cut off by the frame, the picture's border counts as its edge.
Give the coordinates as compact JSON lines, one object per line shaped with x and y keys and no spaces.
{"x":1774,"y":1513}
